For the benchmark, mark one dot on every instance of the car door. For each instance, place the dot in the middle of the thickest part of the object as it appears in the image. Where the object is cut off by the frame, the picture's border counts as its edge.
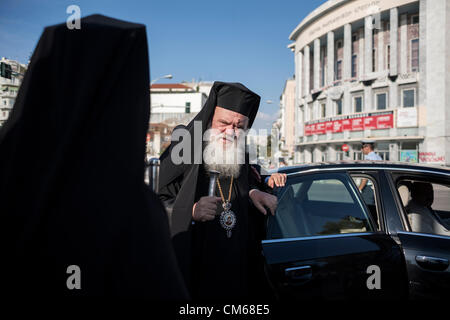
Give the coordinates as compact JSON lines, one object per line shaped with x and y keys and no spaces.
{"x":425,"y":237}
{"x":322,"y":243}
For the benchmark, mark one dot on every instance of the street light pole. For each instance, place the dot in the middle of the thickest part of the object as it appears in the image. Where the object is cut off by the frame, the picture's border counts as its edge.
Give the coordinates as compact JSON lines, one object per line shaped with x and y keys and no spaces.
{"x":167,"y":76}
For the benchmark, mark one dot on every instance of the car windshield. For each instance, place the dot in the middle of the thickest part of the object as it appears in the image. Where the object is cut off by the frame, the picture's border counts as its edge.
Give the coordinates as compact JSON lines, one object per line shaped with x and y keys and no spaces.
{"x":318,"y":204}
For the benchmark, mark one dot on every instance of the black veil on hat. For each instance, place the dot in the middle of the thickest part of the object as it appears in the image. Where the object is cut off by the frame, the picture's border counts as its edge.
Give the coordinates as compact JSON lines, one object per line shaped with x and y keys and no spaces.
{"x":71,"y":170}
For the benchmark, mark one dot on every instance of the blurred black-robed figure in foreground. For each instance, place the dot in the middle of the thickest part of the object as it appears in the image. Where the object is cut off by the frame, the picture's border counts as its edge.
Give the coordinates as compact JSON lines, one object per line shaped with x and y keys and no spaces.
{"x":218,"y":254}
{"x":71,"y":171}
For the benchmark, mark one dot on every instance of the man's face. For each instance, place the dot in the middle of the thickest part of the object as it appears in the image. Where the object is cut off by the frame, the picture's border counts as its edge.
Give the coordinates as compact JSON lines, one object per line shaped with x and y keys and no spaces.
{"x":366,"y":149}
{"x":229,"y":124}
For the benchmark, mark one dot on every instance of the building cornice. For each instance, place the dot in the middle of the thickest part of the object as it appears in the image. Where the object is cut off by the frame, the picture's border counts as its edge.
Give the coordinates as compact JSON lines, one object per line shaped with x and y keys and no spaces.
{"x":317,"y":14}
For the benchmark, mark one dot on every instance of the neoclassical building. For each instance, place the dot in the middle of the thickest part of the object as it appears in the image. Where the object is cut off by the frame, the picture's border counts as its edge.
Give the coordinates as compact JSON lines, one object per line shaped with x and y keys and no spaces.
{"x":376,"y":69}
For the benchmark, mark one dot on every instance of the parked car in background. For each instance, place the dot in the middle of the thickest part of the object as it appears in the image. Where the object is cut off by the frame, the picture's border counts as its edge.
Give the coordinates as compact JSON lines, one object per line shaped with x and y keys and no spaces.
{"x":326,"y":241}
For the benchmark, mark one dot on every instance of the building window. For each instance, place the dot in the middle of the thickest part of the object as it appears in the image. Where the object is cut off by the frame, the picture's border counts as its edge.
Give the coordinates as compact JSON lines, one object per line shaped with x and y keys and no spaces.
{"x":409,"y":152}
{"x":354,"y":66}
{"x":323,"y":67}
{"x":388,"y":56}
{"x":374,"y":60}
{"x":354,"y":37}
{"x":381,"y":101}
{"x":338,"y":70}
{"x":415,"y":55}
{"x":188,"y":107}
{"x":358,"y":104}
{"x":339,"y":44}
{"x":382,"y":149}
{"x":374,"y":32}
{"x":323,"y":110}
{"x":409,"y":98}
{"x":339,"y":107}
{"x":415,"y":19}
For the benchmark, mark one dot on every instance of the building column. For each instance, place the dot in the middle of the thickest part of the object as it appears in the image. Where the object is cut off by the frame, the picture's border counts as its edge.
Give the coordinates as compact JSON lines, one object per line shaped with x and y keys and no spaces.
{"x":381,"y":49}
{"x":394,"y":151}
{"x":403,"y":43}
{"x":330,"y":57}
{"x":393,"y":95}
{"x":298,"y":94}
{"x":306,"y":55}
{"x":361,"y":54}
{"x":347,"y":62}
{"x":347,"y":68}
{"x":434,"y":118}
{"x":393,"y":34}
{"x":316,"y":64}
{"x":317,"y":154}
{"x":368,"y":98}
{"x":368,"y":41}
{"x":300,"y":124}
{"x":307,"y":153}
{"x":299,"y":78}
{"x":330,"y":70}
{"x":422,"y":98}
{"x":393,"y":71}
{"x":315,"y":109}
{"x":331,"y":153}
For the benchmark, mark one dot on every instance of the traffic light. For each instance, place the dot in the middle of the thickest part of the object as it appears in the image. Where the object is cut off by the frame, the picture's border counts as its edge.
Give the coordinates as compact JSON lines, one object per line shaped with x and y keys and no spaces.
{"x":5,"y":70}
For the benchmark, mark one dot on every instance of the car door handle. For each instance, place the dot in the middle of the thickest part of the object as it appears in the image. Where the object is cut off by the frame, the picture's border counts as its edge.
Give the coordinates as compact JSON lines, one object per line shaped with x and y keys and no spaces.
{"x":302,"y":273}
{"x":432,"y":263}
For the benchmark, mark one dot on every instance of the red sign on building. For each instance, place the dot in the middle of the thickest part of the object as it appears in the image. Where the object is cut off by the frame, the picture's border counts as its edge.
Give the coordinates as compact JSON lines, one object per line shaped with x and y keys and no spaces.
{"x":359,"y":122}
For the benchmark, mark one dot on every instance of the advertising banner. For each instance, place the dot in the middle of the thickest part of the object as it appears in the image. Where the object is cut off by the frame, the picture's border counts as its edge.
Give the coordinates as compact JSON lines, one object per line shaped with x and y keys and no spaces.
{"x":358,"y":122}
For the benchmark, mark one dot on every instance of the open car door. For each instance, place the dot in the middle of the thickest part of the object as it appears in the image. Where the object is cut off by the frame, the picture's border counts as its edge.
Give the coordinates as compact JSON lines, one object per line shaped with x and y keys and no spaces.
{"x":322,"y":243}
{"x":426,"y":240}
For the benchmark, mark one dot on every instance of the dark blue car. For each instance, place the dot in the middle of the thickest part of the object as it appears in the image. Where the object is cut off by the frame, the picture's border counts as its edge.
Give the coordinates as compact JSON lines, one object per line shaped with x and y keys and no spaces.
{"x":391,"y":239}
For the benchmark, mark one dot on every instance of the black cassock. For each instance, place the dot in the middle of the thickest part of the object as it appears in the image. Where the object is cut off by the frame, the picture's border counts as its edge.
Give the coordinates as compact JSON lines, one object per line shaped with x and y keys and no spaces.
{"x":72,"y":189}
{"x":215,"y":267}
{"x":219,"y":268}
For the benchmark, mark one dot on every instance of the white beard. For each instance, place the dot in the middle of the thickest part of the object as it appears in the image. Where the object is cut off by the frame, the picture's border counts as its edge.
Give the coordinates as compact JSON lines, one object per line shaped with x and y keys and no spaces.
{"x":228,"y":162}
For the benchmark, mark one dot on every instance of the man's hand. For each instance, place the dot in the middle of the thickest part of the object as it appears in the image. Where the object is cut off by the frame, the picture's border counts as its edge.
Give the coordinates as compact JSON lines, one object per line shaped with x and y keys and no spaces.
{"x":205,"y":209}
{"x":277,"y":179}
{"x":362,"y":185}
{"x":261,"y":199}
{"x":256,"y":174}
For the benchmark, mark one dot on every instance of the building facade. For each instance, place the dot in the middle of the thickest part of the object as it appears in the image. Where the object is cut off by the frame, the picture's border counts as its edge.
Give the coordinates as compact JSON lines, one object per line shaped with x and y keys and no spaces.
{"x":10,"y":87}
{"x":287,"y":123}
{"x":172,"y":104}
{"x":377,"y":69}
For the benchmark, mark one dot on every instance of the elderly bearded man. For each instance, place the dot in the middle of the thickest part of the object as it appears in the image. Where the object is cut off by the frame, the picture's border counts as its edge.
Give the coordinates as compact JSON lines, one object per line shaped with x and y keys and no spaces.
{"x":216,"y":237}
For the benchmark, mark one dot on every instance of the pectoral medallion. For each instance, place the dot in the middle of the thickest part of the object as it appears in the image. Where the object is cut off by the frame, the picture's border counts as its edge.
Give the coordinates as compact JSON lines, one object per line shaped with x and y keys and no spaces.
{"x":227,"y":218}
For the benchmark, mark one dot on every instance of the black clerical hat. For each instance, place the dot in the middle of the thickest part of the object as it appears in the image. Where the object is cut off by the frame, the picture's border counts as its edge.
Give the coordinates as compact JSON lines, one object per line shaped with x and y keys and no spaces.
{"x":236,"y":97}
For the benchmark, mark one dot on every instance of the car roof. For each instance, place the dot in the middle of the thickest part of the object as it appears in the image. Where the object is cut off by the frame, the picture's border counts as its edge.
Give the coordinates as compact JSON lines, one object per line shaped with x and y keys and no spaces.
{"x":366,"y":164}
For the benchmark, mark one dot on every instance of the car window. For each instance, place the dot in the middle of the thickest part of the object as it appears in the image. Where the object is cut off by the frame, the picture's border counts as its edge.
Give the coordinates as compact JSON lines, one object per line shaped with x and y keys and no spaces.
{"x":334,"y":189}
{"x":367,"y":186}
{"x":318,"y":204}
{"x":426,"y":205}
